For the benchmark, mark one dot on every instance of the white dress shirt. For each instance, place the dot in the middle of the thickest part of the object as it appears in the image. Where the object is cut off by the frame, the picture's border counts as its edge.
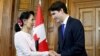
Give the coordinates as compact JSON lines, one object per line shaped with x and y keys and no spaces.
{"x":25,"y":45}
{"x":65,"y":21}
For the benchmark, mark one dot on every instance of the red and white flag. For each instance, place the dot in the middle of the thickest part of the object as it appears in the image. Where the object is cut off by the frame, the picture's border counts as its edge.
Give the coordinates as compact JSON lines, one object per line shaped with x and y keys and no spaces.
{"x":39,"y":31}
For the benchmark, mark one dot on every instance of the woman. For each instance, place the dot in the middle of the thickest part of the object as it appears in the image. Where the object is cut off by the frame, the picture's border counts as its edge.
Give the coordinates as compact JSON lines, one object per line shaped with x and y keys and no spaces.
{"x":24,"y":43}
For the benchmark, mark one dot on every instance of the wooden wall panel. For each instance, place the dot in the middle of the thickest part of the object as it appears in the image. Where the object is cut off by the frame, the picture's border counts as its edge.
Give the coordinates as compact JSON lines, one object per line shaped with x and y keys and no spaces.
{"x":1,"y":10}
{"x":24,"y":4}
{"x":5,"y":27}
{"x":84,"y":0}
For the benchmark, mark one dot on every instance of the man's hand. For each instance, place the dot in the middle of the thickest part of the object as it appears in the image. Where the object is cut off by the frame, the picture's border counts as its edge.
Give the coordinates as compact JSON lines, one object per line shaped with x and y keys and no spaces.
{"x":58,"y":55}
{"x":53,"y":53}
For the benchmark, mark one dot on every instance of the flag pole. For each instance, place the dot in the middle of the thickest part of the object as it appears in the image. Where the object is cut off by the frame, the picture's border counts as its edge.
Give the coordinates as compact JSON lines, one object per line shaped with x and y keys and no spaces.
{"x":40,"y":34}
{"x":37,"y":41}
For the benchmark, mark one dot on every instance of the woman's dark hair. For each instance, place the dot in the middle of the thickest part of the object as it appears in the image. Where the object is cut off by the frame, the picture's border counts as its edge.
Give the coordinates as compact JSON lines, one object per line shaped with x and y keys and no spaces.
{"x":17,"y":28}
{"x":57,"y":6}
{"x":24,"y":15}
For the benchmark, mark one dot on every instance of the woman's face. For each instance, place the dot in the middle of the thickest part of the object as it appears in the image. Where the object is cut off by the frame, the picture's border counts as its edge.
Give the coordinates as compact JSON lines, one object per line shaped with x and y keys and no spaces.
{"x":30,"y":22}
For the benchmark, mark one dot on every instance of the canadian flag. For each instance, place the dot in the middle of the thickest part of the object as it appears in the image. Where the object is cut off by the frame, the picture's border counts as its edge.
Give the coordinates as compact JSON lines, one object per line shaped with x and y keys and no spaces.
{"x":39,"y":31}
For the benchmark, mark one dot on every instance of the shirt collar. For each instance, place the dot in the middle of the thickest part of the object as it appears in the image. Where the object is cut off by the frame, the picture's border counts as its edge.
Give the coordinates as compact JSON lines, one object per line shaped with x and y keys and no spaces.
{"x":66,"y":19}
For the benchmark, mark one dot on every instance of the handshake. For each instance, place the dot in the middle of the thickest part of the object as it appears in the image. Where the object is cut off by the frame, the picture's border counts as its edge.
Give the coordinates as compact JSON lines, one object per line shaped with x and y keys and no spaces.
{"x":53,"y":53}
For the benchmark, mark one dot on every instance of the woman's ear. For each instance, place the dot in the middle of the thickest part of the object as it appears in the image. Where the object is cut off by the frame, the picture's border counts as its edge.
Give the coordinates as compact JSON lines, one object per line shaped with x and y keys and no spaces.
{"x":24,"y":21}
{"x":61,"y":10}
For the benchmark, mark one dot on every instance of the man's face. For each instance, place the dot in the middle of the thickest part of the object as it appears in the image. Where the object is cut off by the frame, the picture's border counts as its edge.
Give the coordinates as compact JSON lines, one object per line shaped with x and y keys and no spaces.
{"x":56,"y":15}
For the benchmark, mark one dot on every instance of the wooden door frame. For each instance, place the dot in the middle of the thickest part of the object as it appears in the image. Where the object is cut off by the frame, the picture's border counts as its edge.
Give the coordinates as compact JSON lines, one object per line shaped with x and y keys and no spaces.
{"x":97,"y":31}
{"x":6,"y":28}
{"x":74,"y":8}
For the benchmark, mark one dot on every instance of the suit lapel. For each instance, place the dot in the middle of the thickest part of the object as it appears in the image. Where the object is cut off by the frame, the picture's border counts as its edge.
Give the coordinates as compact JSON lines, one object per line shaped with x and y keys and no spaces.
{"x":66,"y":30}
{"x":60,"y":34}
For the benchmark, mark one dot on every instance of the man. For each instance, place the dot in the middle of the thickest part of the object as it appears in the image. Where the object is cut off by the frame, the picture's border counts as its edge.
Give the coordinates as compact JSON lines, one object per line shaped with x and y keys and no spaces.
{"x":71,"y":40}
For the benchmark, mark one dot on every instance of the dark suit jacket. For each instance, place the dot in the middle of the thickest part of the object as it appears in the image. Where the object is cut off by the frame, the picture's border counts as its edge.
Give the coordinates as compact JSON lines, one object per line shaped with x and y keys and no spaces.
{"x":73,"y":42}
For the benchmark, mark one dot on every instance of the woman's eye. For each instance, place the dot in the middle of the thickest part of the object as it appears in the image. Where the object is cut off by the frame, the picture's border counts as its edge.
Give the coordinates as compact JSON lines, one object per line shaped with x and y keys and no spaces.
{"x":32,"y":19}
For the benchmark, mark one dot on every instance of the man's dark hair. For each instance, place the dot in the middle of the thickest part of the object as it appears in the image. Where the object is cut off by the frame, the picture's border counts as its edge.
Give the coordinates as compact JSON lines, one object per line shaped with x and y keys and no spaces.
{"x":58,"y":5}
